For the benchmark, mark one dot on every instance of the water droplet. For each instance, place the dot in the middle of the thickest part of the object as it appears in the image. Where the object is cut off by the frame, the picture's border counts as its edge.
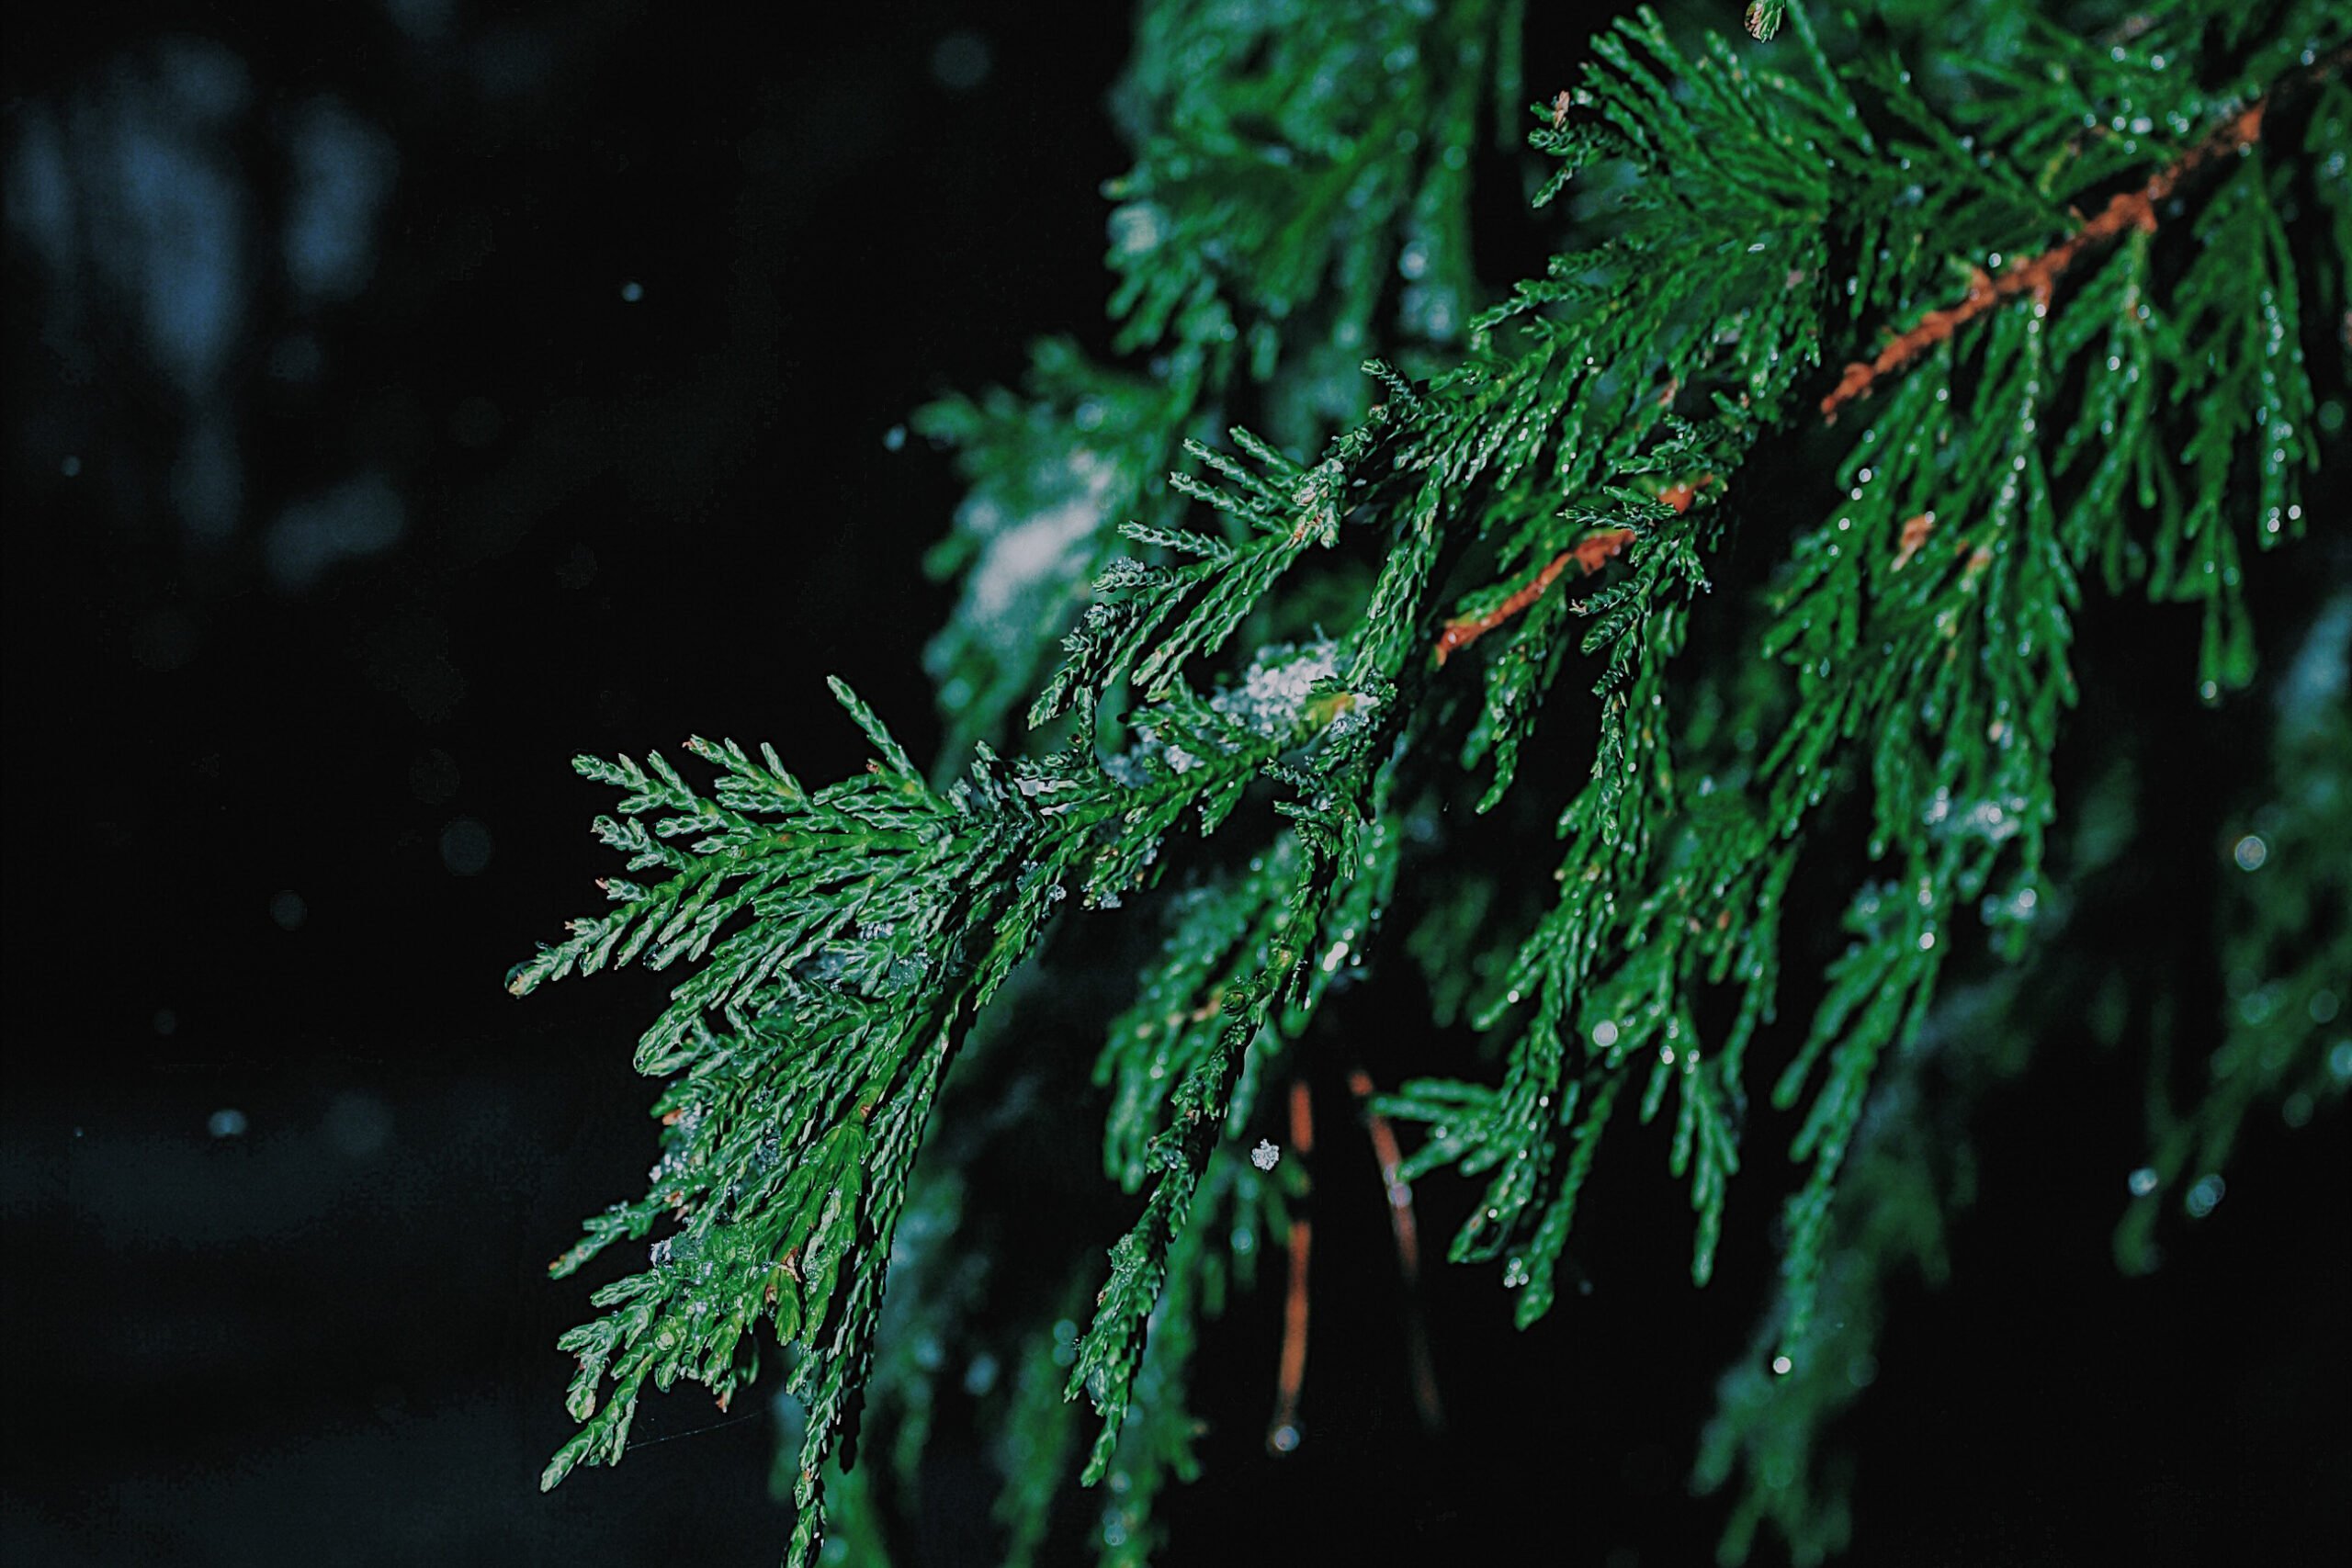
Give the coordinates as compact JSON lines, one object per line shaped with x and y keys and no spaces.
{"x":465,"y":847}
{"x":1604,"y":1034}
{"x":961,"y":60}
{"x":2250,"y":852}
{"x":2202,"y":1197}
{"x":1782,"y":1366}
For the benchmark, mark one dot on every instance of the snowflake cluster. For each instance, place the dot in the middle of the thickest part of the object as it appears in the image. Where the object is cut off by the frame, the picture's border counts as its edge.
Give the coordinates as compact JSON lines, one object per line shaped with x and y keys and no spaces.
{"x":1274,"y":689}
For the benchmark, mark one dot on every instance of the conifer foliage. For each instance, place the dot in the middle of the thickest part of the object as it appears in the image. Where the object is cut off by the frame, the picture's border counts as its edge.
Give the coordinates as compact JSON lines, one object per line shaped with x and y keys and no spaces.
{"x":2063,"y":306}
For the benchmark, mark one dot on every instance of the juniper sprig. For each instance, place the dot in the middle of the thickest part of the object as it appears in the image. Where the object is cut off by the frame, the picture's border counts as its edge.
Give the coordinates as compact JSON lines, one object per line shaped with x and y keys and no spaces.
{"x":2056,"y":308}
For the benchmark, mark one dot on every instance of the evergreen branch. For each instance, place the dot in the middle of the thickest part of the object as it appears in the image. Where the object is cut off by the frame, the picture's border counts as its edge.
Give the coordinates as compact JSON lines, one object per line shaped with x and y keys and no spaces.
{"x":1038,"y":1432}
{"x":838,"y":945}
{"x":2283,"y":933}
{"x":1589,"y":555}
{"x":790,"y":1148}
{"x":1896,"y":969}
{"x":1332,"y":890}
{"x":1111,"y":1351}
{"x":2037,"y":277}
{"x":1157,"y":1441}
{"x":1148,"y":621}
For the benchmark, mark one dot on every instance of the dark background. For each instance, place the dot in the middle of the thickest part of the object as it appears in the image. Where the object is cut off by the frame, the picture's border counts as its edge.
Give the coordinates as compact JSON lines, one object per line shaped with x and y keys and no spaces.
{"x":403,"y":397}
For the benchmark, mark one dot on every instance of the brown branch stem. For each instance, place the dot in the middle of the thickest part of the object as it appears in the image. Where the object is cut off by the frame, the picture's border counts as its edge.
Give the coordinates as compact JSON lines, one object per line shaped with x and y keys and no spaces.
{"x":1588,"y":554}
{"x":2037,"y":275}
{"x":1283,"y":1432}
{"x":1401,"y":1223}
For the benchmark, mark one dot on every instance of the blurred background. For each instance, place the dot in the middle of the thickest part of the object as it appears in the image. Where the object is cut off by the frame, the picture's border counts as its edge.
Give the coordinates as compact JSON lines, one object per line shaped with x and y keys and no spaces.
{"x":405,"y":396}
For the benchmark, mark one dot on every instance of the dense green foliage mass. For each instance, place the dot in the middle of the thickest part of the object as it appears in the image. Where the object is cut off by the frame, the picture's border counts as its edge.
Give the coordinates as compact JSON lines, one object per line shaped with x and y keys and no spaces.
{"x":2062,"y":301}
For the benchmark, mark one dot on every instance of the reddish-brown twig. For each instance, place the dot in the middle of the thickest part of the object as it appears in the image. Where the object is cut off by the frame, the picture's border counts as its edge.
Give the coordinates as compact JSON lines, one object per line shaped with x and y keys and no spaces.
{"x":2037,"y":275}
{"x":1915,"y":534}
{"x":1409,"y":1248}
{"x":1281,"y":1432}
{"x":1589,"y":554}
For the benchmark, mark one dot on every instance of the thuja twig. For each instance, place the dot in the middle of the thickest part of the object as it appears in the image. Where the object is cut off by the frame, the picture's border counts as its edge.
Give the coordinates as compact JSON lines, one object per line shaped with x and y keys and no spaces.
{"x":1591,"y":553}
{"x":2037,"y":275}
{"x":1385,"y":1148}
{"x":1281,"y":1432}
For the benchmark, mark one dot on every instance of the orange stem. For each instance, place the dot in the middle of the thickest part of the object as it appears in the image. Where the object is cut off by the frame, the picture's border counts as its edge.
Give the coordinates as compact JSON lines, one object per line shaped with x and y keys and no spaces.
{"x":2037,"y":275}
{"x":1281,"y":1432}
{"x":1385,"y":1148}
{"x":1589,"y":554}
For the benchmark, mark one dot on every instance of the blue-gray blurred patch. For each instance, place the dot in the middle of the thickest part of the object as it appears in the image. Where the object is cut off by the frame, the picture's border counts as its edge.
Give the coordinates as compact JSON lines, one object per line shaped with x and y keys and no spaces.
{"x":511,"y":60}
{"x":209,"y":477}
{"x":2312,"y":694}
{"x":40,"y":191}
{"x":342,"y":170}
{"x":357,"y":517}
{"x":168,"y":214}
{"x":205,"y":83}
{"x":421,"y":20}
{"x":127,"y":190}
